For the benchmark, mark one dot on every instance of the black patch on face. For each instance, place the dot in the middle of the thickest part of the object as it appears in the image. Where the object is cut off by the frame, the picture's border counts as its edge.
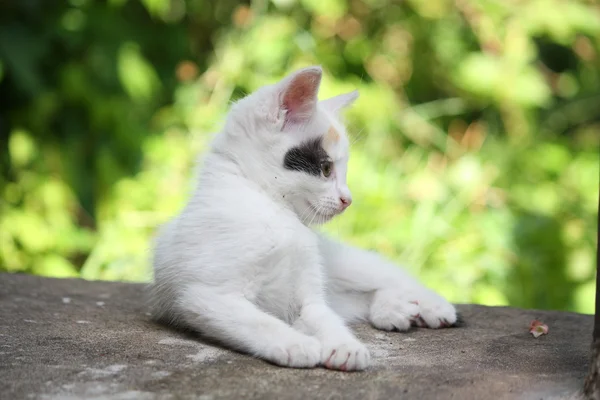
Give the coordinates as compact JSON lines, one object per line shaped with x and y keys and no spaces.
{"x":307,"y":157}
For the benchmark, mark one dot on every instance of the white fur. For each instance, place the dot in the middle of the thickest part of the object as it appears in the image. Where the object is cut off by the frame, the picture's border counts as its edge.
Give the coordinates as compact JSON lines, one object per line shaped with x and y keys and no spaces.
{"x":241,"y":264}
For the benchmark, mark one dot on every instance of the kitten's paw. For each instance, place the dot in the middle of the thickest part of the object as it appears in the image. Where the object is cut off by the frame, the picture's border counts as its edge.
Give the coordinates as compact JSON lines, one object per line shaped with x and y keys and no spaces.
{"x":391,"y":310}
{"x":300,"y":352}
{"x":435,"y":311}
{"x":348,"y":355}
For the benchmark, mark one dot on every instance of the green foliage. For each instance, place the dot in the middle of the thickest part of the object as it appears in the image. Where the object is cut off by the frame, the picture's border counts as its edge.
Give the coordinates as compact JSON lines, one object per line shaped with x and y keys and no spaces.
{"x":475,"y":160}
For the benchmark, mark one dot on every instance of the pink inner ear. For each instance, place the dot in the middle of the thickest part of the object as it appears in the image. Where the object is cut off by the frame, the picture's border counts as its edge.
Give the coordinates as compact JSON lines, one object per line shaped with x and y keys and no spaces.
{"x":300,"y":97}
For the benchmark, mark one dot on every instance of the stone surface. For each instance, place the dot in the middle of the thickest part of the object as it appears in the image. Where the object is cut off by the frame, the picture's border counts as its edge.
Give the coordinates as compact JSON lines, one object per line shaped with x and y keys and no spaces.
{"x":72,"y":339}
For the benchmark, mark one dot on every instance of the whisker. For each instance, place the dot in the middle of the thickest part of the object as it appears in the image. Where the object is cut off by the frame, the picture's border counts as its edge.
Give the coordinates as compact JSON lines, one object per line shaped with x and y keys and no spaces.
{"x":358,"y":136}
{"x":317,"y":208}
{"x":303,"y":215}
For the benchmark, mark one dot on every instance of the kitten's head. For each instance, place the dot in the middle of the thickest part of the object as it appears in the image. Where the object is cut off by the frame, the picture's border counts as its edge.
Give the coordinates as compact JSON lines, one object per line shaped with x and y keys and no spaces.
{"x":293,"y":145}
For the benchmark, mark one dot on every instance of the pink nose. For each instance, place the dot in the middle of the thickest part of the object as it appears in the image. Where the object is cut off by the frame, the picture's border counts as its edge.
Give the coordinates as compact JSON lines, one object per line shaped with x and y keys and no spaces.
{"x":346,"y":201}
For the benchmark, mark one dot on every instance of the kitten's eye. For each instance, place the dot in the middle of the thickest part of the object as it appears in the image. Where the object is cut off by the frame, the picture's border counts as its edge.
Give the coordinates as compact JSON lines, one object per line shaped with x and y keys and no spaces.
{"x":326,"y":167}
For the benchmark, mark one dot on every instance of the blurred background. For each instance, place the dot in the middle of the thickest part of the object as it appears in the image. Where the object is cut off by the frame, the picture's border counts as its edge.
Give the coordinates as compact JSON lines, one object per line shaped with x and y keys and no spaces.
{"x":475,"y":160}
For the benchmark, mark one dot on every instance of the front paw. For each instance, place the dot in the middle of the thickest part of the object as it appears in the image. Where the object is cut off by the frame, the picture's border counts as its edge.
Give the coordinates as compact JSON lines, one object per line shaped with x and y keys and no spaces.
{"x":300,"y":351}
{"x":347,"y":355}
{"x":391,"y":310}
{"x":435,"y":312}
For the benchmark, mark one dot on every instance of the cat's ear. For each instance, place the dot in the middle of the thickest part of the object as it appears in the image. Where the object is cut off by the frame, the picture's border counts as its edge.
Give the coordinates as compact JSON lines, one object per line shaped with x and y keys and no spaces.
{"x":336,"y":104}
{"x":298,"y":94}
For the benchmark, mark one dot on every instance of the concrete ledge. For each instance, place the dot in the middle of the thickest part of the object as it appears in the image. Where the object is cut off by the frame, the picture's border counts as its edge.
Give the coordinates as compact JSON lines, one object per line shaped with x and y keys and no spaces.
{"x":72,"y":339}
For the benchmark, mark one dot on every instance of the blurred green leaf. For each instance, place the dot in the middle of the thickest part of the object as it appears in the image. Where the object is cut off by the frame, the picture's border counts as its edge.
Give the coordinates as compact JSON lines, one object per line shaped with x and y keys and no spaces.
{"x":55,"y":266}
{"x":21,"y":148}
{"x":156,"y":7}
{"x":136,"y":74}
{"x":328,"y":8}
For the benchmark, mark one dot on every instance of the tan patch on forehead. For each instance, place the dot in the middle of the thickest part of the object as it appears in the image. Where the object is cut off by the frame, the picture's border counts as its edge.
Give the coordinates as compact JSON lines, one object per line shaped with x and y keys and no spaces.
{"x":333,"y":134}
{"x":331,"y":138}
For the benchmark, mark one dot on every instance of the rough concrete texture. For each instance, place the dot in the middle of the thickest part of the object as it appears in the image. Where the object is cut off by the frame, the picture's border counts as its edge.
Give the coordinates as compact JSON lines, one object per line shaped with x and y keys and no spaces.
{"x":72,"y":339}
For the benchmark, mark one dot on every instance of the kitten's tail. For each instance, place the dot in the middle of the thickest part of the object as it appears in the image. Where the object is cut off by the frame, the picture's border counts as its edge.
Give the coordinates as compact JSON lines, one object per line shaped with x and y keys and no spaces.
{"x":159,"y":292}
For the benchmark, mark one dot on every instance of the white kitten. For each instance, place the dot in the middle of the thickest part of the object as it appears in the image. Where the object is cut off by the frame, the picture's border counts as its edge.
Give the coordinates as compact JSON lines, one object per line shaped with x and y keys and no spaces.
{"x":240,"y":263}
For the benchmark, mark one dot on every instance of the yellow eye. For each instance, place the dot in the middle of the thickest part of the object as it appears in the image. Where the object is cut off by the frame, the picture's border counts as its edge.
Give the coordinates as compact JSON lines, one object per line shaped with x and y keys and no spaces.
{"x":326,"y":167}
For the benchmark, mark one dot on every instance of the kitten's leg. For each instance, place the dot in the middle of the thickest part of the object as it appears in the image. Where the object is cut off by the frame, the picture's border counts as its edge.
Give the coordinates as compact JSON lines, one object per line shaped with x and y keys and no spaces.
{"x":340,"y":348}
{"x":236,"y":322}
{"x":364,"y":285}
